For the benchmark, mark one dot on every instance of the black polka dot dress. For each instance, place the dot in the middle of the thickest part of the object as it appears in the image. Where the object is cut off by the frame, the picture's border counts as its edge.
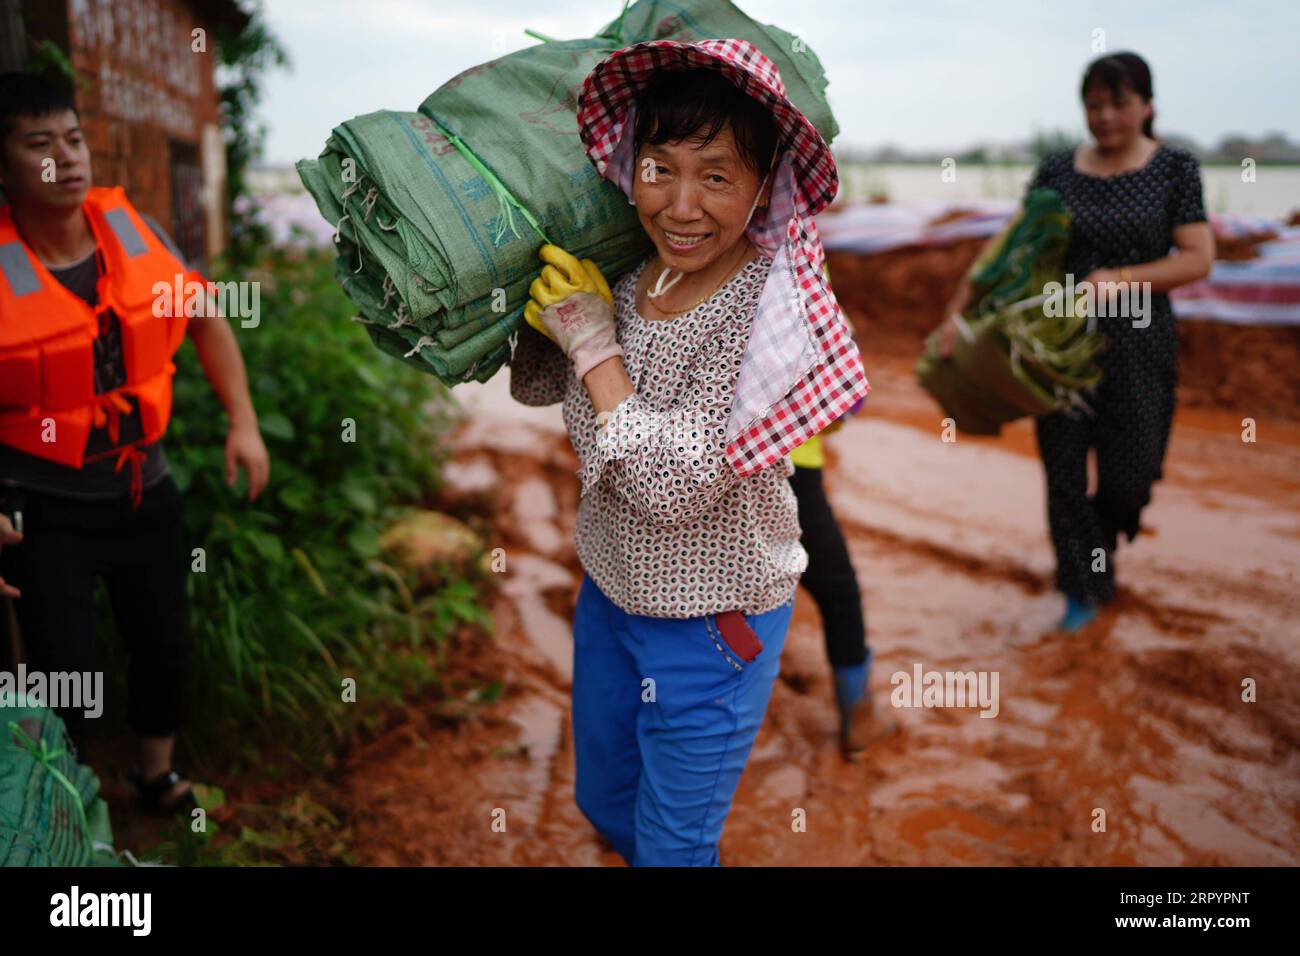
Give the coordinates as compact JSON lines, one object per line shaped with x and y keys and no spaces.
{"x":1117,"y":221}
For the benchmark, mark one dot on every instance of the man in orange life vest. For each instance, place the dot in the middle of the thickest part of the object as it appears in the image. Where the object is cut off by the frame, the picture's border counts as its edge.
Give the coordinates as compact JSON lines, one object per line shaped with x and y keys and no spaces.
{"x":85,"y":396}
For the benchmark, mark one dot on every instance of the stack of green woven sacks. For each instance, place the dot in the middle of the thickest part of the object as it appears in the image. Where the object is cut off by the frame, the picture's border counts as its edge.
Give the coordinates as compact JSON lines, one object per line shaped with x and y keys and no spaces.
{"x":439,"y":213}
{"x":51,"y":813}
{"x":1021,"y":353}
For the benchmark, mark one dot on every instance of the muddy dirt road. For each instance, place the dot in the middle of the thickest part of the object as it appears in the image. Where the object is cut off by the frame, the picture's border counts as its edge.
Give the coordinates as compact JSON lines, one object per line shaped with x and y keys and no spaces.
{"x":1142,"y":716}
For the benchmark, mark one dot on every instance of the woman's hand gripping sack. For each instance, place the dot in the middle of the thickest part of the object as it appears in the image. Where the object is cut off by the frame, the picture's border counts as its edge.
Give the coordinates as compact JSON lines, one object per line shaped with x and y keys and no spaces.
{"x":570,"y":303}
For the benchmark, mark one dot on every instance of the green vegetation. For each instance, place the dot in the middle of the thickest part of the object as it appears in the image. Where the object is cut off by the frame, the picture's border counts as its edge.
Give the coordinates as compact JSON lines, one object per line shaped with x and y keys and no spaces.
{"x":247,"y":55}
{"x":295,"y":596}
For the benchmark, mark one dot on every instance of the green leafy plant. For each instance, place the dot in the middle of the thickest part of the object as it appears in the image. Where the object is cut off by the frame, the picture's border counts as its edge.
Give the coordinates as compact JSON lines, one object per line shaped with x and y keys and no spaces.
{"x":46,"y":58}
{"x":294,"y":596}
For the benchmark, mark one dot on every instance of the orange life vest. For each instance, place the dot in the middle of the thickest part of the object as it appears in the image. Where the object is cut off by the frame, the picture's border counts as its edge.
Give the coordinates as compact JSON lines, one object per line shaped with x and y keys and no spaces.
{"x":48,"y":403}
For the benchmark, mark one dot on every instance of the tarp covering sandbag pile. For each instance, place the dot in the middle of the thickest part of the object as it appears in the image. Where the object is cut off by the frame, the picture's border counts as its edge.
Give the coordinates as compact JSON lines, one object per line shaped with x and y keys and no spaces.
{"x":1020,"y":350}
{"x":439,"y":213}
{"x":50,"y":811}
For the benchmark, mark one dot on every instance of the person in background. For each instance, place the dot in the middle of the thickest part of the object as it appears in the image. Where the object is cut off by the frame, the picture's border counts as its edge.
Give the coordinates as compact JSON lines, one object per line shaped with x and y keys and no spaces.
{"x":833,"y":585}
{"x":1137,"y":218}
{"x":85,"y":395}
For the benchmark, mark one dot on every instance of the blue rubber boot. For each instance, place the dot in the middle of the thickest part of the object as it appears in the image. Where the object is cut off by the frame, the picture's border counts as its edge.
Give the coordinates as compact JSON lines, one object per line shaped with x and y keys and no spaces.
{"x":851,"y":685}
{"x":1078,"y":615}
{"x":860,"y":725}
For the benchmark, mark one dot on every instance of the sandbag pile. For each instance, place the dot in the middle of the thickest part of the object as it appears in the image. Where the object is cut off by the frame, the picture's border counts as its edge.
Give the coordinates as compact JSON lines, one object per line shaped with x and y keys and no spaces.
{"x":1021,"y":351}
{"x":439,"y":213}
{"x":51,"y":813}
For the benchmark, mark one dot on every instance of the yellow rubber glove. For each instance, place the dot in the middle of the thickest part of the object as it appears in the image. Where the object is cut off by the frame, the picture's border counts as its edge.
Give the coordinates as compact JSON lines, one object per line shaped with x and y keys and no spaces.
{"x":561,"y":277}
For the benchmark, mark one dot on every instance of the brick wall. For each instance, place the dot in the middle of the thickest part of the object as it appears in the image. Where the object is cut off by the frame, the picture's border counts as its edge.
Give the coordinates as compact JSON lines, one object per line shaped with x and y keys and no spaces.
{"x":145,"y":99}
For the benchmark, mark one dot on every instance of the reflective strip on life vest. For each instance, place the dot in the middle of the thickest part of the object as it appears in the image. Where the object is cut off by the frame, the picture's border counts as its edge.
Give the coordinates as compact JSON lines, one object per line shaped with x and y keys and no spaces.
{"x":17,"y":270}
{"x":126,"y":233}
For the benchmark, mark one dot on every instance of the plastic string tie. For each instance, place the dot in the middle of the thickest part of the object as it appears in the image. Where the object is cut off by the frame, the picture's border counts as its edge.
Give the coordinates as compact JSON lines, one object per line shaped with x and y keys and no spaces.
{"x":368,"y":203}
{"x":420,"y":343}
{"x":402,"y":317}
{"x":46,"y":757}
{"x":505,"y":198}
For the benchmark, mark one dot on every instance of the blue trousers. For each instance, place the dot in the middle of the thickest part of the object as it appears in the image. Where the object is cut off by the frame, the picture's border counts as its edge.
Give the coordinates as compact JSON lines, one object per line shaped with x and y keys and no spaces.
{"x":664,"y":718}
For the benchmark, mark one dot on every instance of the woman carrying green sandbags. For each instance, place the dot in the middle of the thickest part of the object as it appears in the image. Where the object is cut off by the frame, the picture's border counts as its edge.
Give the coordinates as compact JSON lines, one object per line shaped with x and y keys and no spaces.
{"x":684,"y":389}
{"x":1131,"y":199}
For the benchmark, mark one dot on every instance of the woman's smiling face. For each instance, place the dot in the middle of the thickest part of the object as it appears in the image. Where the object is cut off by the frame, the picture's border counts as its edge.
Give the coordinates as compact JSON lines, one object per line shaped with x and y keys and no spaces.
{"x":693,"y":198}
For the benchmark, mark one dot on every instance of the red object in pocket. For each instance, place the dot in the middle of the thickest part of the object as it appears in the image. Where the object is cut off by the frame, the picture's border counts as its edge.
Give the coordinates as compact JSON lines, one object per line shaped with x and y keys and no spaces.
{"x":738,"y":635}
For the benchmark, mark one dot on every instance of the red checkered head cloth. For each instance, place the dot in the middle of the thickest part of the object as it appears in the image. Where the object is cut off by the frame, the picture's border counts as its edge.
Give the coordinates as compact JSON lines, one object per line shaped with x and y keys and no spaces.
{"x":801,"y":369}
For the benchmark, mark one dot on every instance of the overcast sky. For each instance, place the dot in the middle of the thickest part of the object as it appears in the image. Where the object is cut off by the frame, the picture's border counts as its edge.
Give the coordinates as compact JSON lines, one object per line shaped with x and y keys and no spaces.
{"x":921,"y":74}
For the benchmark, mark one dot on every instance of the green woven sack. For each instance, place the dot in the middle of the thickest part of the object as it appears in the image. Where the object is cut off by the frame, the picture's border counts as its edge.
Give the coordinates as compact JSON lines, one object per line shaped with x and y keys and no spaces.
{"x":440,"y":212}
{"x":50,"y":811}
{"x":1014,"y":357}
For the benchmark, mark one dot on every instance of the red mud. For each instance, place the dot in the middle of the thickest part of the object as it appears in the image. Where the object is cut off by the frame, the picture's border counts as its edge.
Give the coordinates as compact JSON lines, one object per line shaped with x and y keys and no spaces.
{"x":1141,"y":716}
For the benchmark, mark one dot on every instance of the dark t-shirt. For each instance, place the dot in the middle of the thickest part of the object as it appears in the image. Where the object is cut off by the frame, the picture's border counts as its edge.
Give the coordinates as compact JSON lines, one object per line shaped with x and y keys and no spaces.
{"x":95,"y":479}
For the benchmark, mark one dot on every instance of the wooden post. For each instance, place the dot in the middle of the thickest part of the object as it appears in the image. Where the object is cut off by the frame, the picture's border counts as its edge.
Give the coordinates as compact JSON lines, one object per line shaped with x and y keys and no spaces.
{"x":11,"y":648}
{"x":13,"y":41}
{"x":13,"y":56}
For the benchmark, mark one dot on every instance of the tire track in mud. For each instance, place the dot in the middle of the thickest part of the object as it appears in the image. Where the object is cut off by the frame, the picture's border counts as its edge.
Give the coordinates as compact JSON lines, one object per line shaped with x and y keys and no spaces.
{"x":1140,"y":716}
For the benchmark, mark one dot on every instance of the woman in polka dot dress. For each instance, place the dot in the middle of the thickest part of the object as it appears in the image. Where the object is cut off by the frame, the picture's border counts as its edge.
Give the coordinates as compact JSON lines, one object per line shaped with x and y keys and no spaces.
{"x":1138,"y":222}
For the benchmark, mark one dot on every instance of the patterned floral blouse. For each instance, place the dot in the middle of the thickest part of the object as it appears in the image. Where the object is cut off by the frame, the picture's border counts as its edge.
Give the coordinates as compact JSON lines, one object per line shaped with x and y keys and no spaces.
{"x":665,"y":526}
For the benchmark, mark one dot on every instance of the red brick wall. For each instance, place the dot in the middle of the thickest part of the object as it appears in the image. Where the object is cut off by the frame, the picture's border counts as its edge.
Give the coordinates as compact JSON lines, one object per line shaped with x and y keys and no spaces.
{"x":144,"y":92}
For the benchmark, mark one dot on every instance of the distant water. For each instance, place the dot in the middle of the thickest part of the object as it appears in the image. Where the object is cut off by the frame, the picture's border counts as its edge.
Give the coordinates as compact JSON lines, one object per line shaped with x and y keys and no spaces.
{"x":1275,"y":192}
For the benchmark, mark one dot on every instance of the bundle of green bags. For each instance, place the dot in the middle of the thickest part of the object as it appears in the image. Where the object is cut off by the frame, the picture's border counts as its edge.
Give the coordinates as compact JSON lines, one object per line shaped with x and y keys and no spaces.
{"x":439,"y":213}
{"x":51,"y":813}
{"x":1020,"y":353}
